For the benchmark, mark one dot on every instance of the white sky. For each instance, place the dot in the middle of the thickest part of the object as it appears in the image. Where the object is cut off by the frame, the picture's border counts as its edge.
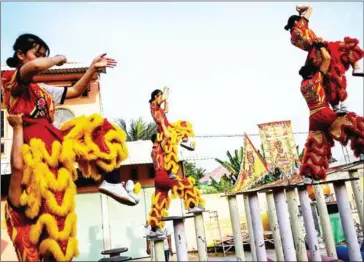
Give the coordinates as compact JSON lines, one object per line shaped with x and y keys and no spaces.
{"x":230,"y":66}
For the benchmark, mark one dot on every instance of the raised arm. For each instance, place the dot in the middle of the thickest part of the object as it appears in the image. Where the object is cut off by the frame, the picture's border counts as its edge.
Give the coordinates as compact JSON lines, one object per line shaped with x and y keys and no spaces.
{"x":16,"y":161}
{"x":35,"y":66}
{"x":326,"y":59}
{"x":99,"y":62}
{"x":166,"y":108}
{"x":307,"y":10}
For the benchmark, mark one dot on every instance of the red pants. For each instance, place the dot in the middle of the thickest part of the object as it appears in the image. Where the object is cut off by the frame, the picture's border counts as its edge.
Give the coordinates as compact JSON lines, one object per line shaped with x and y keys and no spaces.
{"x":343,"y":54}
{"x":325,"y":126}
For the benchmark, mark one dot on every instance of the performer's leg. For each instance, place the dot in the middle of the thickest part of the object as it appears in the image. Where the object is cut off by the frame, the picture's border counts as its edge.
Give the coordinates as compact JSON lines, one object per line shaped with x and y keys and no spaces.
{"x":160,"y":205}
{"x":19,"y":226}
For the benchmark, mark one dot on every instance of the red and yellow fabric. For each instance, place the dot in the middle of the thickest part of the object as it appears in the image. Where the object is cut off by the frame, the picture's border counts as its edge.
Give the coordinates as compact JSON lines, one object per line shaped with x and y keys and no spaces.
{"x":182,"y":187}
{"x":343,"y":55}
{"x":177,"y":130}
{"x":47,"y":225}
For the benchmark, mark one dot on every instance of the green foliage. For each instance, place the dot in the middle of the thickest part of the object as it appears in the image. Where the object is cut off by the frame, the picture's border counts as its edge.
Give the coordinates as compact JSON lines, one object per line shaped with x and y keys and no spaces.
{"x":190,"y":169}
{"x":137,"y":129}
{"x":234,"y":161}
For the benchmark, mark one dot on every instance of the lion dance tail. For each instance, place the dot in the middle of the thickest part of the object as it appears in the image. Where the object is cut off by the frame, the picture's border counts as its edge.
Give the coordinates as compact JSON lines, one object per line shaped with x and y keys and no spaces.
{"x":178,"y":131}
{"x":49,"y":195}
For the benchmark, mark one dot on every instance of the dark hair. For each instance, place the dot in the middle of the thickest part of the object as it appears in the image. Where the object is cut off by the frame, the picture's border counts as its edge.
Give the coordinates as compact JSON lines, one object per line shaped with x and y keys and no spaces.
{"x":153,"y":138}
{"x":24,"y":43}
{"x":307,"y":70}
{"x":153,"y":94}
{"x":290,"y":22}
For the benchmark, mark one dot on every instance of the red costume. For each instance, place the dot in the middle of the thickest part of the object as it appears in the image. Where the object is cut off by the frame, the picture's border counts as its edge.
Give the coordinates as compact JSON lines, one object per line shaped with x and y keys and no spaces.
{"x":182,"y":187}
{"x":324,"y":126}
{"x":343,"y":54}
{"x":178,"y":130}
{"x":45,"y":225}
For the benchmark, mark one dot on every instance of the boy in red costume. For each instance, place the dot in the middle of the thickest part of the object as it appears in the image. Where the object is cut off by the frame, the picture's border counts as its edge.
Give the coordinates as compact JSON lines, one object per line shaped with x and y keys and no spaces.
{"x":343,"y":55}
{"x":182,"y":187}
{"x":325,"y":124}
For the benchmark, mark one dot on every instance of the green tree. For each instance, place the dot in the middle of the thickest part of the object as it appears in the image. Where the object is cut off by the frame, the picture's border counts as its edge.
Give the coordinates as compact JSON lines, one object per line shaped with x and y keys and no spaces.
{"x":197,"y":173}
{"x":138,"y":129}
{"x":234,"y":162}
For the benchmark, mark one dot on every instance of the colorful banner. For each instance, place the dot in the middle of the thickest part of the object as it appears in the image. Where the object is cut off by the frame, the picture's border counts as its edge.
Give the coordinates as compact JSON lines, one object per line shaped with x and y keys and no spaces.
{"x":252,"y":168}
{"x":279,"y":145}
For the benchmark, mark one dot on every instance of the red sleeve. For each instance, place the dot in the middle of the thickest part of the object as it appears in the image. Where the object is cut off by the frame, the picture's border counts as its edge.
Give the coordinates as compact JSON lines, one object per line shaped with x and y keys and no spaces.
{"x":317,"y":77}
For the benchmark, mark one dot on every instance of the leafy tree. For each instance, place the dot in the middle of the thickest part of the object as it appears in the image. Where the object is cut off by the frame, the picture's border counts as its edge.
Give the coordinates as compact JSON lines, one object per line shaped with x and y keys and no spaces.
{"x":234,"y":162}
{"x":197,"y":173}
{"x":138,"y":129}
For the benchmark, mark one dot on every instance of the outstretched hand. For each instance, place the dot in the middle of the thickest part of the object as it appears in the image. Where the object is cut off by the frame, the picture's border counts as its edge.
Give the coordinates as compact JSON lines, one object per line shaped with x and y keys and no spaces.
{"x":300,"y":9}
{"x":102,"y":61}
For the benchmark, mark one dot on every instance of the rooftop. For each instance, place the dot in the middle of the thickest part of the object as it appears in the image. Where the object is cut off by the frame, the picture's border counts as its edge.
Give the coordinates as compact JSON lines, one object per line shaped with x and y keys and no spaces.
{"x":71,"y":67}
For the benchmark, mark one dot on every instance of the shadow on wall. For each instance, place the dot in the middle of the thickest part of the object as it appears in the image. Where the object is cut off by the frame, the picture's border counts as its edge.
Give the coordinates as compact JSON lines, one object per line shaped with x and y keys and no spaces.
{"x":95,"y":243}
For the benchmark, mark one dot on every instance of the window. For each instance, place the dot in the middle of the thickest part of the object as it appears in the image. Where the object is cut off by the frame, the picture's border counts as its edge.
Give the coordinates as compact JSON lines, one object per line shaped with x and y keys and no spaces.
{"x":151,"y":172}
{"x":134,"y":174}
{"x":85,"y":93}
{"x":61,"y":116}
{"x":2,"y":148}
{"x":2,"y":124}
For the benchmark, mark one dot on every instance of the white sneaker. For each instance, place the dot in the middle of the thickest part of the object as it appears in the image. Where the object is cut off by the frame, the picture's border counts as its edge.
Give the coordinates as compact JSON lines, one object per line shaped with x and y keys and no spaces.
{"x":158,"y":233}
{"x":130,"y":189}
{"x":172,"y":176}
{"x":196,"y":209}
{"x":117,"y":192}
{"x":188,"y":145}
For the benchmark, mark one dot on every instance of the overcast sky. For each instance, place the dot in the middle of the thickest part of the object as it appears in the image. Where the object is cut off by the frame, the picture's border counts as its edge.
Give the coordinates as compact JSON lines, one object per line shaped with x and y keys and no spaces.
{"x":230,"y":66}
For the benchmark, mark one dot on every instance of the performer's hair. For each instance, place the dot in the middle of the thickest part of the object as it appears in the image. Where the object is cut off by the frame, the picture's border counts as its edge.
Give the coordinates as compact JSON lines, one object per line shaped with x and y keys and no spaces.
{"x":153,"y":94}
{"x":153,"y":138}
{"x":24,"y":43}
{"x":290,"y":22}
{"x":307,"y":71}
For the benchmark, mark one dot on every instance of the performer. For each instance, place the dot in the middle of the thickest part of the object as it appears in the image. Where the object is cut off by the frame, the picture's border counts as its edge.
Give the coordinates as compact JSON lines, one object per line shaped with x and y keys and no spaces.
{"x":181,"y":130}
{"x":41,"y":221}
{"x":325,"y":124}
{"x":181,"y":187}
{"x":343,"y":55}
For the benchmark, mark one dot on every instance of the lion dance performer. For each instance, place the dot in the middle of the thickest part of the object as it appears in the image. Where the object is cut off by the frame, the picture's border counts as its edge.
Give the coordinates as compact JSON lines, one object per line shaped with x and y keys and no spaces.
{"x":181,"y":130}
{"x":325,"y":125}
{"x":181,"y":187}
{"x":343,"y":55}
{"x":40,"y":211}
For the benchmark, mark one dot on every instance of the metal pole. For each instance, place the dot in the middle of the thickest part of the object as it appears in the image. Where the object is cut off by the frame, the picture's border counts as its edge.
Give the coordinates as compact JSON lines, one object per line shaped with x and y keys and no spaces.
{"x":273,"y":222}
{"x":180,"y":239}
{"x":235,"y":224}
{"x":200,"y":237}
{"x":250,"y":228}
{"x":358,"y":195}
{"x":309,"y":224}
{"x":325,"y":222}
{"x":257,"y":227}
{"x":347,"y":221}
{"x":296,"y":224}
{"x":159,"y":249}
{"x":284,"y":225}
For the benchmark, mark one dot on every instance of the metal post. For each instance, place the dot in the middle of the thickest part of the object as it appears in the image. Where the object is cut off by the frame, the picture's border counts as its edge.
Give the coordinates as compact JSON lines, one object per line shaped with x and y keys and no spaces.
{"x":273,"y":222}
{"x":347,"y":221}
{"x":180,"y":239}
{"x":159,"y":249}
{"x":309,"y":224}
{"x":355,"y":184}
{"x":296,"y":224}
{"x":200,"y":237}
{"x":257,"y":227}
{"x":284,"y":225}
{"x":235,"y":224}
{"x":325,"y":222}
{"x":250,"y":228}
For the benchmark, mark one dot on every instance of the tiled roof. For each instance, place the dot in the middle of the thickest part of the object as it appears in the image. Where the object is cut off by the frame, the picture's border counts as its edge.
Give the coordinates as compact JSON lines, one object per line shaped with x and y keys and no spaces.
{"x":66,"y":68}
{"x":139,"y":153}
{"x":216,"y":174}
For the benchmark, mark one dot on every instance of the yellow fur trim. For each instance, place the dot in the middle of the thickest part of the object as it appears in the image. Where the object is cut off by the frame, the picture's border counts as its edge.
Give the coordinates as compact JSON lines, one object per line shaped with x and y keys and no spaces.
{"x":50,"y":246}
{"x":50,"y":223}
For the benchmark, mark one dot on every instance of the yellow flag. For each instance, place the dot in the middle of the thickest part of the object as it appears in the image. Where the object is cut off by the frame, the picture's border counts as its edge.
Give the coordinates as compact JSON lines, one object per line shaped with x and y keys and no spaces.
{"x":252,"y":167}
